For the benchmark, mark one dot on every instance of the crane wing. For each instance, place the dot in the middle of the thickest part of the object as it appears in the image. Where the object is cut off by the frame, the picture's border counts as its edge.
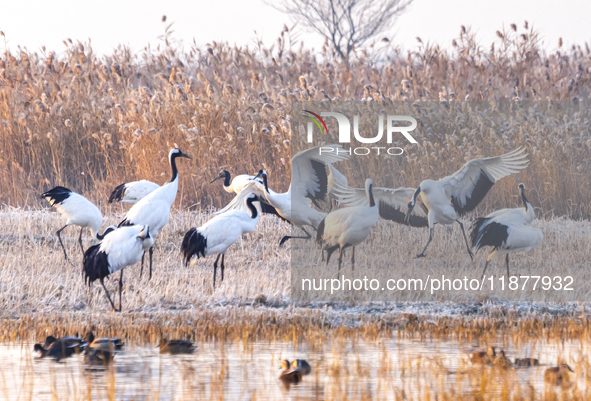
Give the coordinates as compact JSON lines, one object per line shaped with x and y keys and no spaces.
{"x":392,"y":203}
{"x":469,"y":185}
{"x":238,"y":202}
{"x":308,"y":172}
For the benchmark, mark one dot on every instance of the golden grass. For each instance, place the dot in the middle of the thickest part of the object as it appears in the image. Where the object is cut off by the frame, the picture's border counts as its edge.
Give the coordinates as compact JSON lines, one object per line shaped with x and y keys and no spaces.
{"x":92,"y":122}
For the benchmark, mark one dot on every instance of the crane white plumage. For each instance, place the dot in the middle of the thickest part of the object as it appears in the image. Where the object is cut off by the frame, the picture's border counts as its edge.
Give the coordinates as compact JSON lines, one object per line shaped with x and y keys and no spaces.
{"x":154,"y":209}
{"x":234,"y":186}
{"x":507,"y":231}
{"x":132,"y":192}
{"x":78,"y":211}
{"x":221,"y":232}
{"x":122,"y":247}
{"x":335,"y":179}
{"x":392,"y":203}
{"x":309,"y":182}
{"x":348,"y":227}
{"x":453,"y":196}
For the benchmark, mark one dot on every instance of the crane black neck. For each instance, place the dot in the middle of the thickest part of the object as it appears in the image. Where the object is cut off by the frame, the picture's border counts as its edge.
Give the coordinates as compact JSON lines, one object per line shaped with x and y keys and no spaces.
{"x":107,"y":231}
{"x":524,"y":199}
{"x":253,"y":210}
{"x":372,"y":202}
{"x":175,"y":171}
{"x":265,"y":183}
{"x":227,"y":179}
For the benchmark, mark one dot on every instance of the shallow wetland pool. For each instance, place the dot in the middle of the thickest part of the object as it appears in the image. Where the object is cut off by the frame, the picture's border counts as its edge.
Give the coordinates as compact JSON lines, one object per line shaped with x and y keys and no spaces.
{"x":342,"y":368}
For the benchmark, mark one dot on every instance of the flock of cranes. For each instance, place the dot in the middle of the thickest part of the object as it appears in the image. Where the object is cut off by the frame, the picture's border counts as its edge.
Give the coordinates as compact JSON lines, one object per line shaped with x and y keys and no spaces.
{"x":433,"y":202}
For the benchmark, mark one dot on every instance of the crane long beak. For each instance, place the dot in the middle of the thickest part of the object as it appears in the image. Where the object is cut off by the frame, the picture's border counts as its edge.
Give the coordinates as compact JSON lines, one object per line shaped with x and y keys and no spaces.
{"x":216,"y":178}
{"x":181,"y":154}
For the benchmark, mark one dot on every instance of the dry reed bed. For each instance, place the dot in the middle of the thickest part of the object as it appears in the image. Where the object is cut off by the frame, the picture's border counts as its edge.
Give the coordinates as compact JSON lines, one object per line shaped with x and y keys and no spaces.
{"x":92,"y":122}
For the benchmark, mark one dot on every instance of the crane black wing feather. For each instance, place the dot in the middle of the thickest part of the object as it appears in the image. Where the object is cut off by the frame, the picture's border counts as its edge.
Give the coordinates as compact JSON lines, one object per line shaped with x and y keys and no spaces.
{"x":117,"y":194}
{"x":320,"y":171}
{"x":56,"y":195}
{"x":487,"y":232}
{"x":481,"y":187}
{"x":194,"y":243}
{"x":96,"y":264}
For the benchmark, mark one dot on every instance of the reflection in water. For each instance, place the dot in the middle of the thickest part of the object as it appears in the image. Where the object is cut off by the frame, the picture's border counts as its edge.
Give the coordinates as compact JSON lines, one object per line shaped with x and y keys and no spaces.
{"x":384,"y":368}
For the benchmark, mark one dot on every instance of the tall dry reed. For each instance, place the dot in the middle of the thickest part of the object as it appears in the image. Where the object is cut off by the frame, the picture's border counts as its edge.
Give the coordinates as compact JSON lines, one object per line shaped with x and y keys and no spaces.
{"x":91,"y":122}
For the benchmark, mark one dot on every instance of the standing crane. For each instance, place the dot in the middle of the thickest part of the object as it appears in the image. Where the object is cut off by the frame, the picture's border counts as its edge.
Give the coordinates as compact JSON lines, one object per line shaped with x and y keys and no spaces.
{"x":454,"y":196}
{"x":348,"y":227}
{"x":507,"y":231}
{"x":78,"y":211}
{"x":154,"y":209}
{"x":123,"y":247}
{"x":219,"y":233}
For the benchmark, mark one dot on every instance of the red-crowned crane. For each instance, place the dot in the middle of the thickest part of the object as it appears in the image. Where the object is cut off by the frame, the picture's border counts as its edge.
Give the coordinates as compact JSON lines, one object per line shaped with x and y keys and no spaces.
{"x":78,"y":211}
{"x":154,"y":209}
{"x":453,"y":196}
{"x":221,"y":232}
{"x":348,"y":227}
{"x":122,"y":247}
{"x":507,"y":231}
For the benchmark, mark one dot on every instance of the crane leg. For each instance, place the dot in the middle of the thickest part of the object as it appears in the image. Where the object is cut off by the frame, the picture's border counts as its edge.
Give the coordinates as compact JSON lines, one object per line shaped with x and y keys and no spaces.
{"x":422,"y":254}
{"x":120,"y":289}
{"x":151,"y":252}
{"x":466,"y":240}
{"x":488,"y":258}
{"x":108,"y":296}
{"x":142,"y":269}
{"x":308,"y":236}
{"x":61,"y":243}
{"x":329,"y":252}
{"x":223,"y":256}
{"x":80,"y":240}
{"x":353,"y":260}
{"x":340,"y":258}
{"x":507,"y":261}
{"x":215,"y":268}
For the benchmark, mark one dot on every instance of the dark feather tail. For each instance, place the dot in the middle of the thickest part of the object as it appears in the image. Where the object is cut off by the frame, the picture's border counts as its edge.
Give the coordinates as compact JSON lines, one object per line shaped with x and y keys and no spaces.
{"x":320,"y":232}
{"x":194,"y":243}
{"x":117,"y":193}
{"x":487,"y":233}
{"x":56,"y":195}
{"x":96,"y":265}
